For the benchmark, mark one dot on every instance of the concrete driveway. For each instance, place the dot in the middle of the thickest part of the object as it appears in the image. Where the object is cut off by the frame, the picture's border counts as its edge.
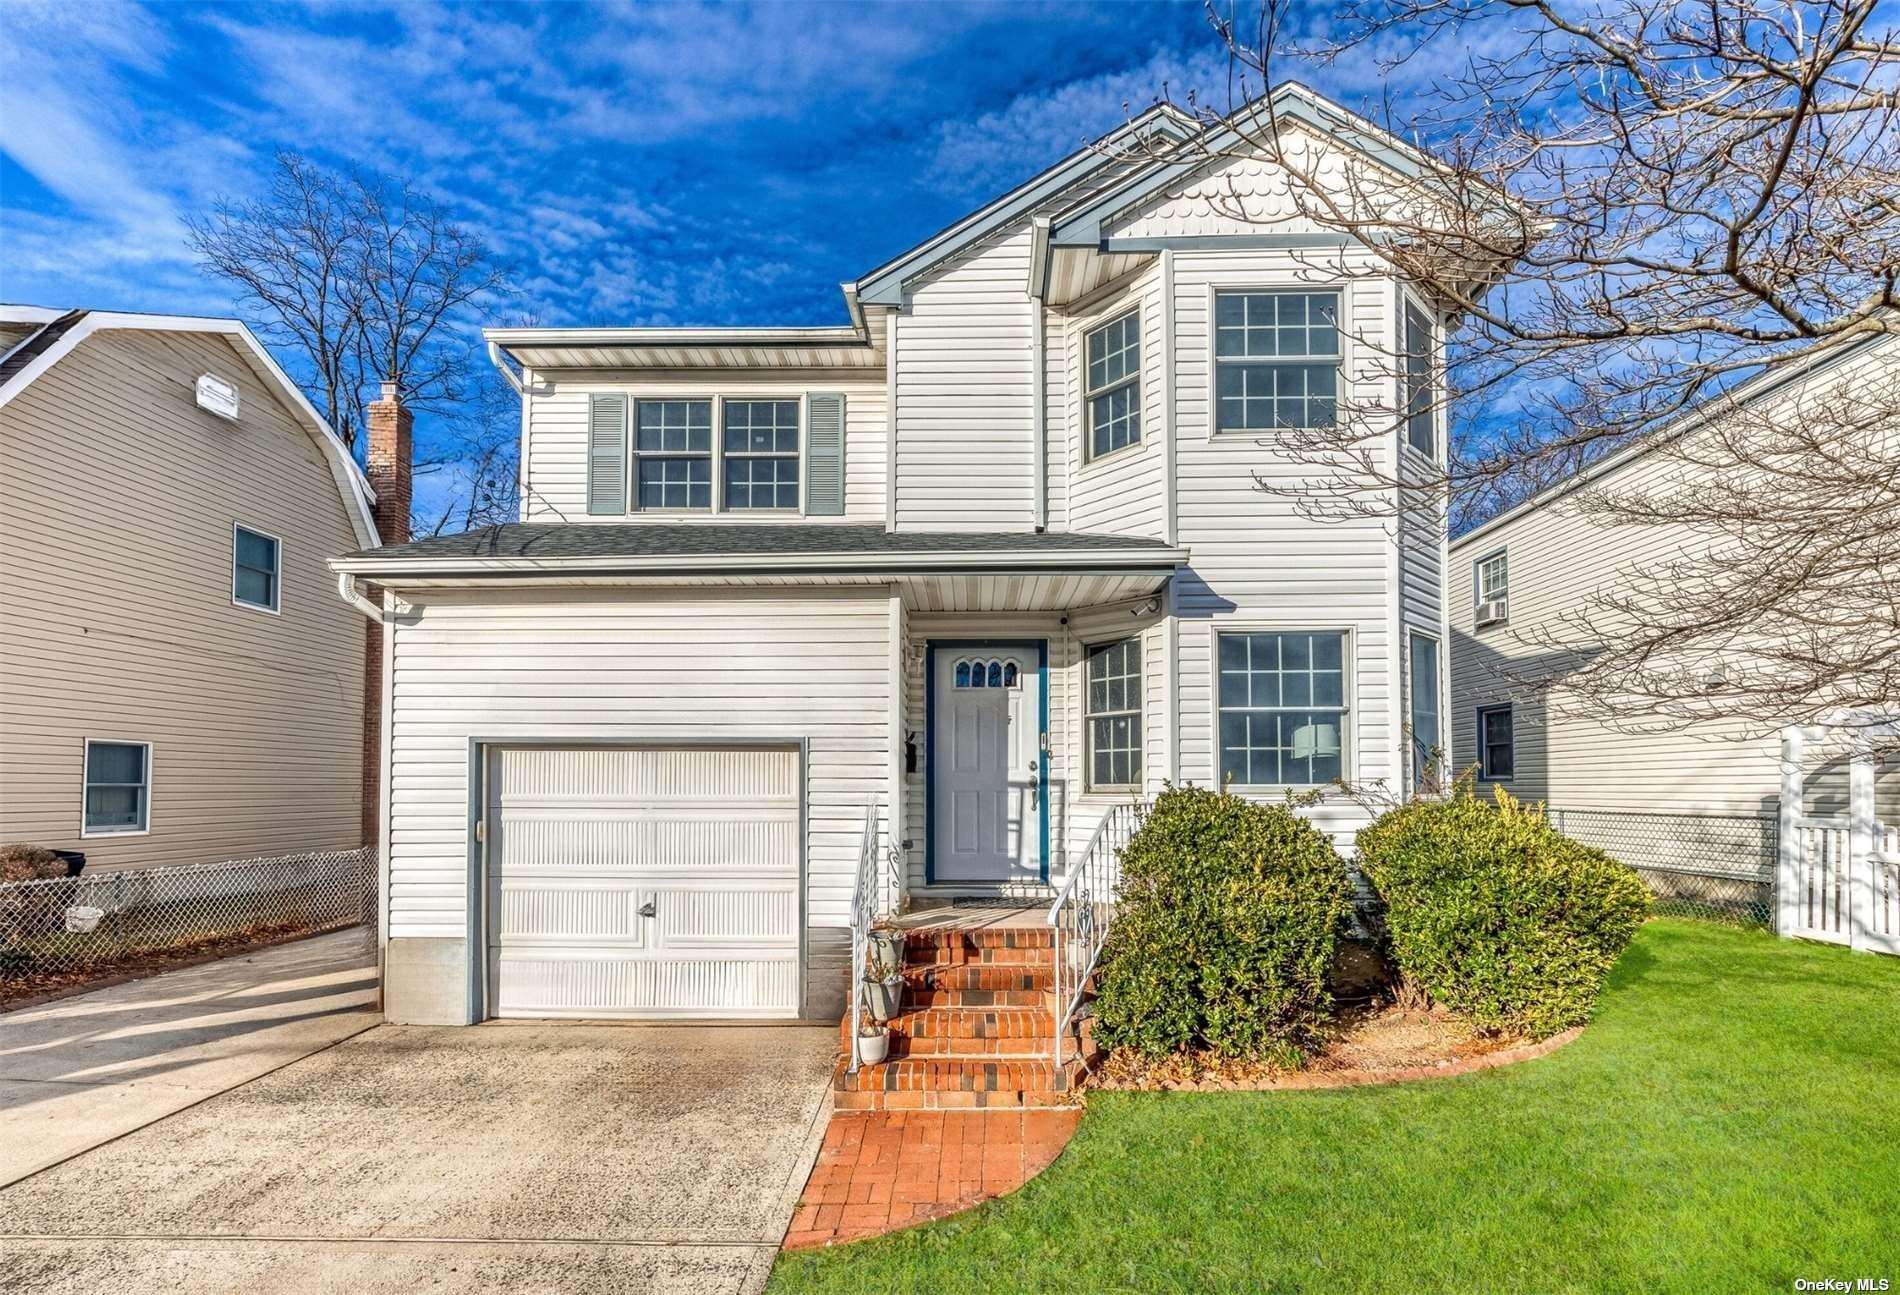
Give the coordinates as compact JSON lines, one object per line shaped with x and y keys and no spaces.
{"x":83,"y":1070}
{"x":501,"y":1158}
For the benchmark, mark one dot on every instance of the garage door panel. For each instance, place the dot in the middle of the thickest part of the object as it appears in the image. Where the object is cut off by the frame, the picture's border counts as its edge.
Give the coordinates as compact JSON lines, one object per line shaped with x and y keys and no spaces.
{"x":547,"y":985}
{"x":579,"y":839}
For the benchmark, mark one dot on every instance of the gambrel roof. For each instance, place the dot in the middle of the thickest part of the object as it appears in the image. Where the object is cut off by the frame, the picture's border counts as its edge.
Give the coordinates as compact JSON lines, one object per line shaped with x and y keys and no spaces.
{"x":56,"y":333}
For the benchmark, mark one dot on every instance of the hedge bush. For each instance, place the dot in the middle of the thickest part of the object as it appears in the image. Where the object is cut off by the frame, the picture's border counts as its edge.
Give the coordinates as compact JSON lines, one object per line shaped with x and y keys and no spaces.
{"x":1224,"y":931}
{"x":1496,"y":915}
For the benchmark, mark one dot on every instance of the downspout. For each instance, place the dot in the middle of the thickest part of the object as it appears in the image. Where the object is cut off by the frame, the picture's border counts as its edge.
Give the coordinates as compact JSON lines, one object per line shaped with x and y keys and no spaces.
{"x":346,"y":590}
{"x":495,"y":358}
{"x":1039,"y":368}
{"x":520,"y":382}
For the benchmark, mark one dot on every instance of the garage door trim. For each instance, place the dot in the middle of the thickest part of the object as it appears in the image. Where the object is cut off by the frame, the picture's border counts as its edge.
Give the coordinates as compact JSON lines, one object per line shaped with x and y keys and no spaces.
{"x":481,"y":748}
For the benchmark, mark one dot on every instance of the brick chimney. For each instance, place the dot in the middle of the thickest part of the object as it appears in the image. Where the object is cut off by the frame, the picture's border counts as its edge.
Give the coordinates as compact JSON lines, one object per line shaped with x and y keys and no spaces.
{"x":387,"y":465}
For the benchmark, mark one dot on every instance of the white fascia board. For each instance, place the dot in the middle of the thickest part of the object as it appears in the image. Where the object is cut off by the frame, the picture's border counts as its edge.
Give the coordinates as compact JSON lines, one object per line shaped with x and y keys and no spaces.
{"x":843,"y":563}
{"x":10,"y":314}
{"x":352,"y":486}
{"x":827,"y":335}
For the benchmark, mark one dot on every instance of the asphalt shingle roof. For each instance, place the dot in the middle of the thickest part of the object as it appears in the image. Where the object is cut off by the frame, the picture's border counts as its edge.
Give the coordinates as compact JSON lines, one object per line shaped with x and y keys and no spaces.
{"x":740,"y":539}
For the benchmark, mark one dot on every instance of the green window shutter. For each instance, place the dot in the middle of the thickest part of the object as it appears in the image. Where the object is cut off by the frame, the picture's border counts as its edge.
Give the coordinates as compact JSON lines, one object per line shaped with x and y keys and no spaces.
{"x":607,"y":454}
{"x":824,"y":457}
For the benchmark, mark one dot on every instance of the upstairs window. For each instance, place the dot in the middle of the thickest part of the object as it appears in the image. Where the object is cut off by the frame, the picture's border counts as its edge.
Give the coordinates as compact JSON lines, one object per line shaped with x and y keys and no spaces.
{"x":1418,"y":381}
{"x":1492,"y":579}
{"x":1276,"y":360}
{"x":1114,"y":715}
{"x":673,"y":454}
{"x":761,"y":458}
{"x":256,"y":572}
{"x":118,"y":788}
{"x":1112,"y":385}
{"x":1497,"y":743}
{"x":1282,"y":709}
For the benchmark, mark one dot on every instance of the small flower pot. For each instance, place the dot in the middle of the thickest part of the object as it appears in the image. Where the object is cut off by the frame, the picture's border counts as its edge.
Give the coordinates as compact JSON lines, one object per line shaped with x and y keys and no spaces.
{"x":883,"y":997}
{"x":886,"y":948}
{"x":874,"y":1048}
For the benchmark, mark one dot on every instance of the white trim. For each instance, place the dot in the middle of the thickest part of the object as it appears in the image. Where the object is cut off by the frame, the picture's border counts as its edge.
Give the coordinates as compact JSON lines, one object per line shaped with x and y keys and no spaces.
{"x":524,"y":488}
{"x":890,"y":419}
{"x":1170,"y":527}
{"x":87,"y":833}
{"x":894,"y":735}
{"x":276,"y":606}
{"x":12,"y":314}
{"x":385,"y":625}
{"x":1348,"y":691}
{"x":352,"y":486}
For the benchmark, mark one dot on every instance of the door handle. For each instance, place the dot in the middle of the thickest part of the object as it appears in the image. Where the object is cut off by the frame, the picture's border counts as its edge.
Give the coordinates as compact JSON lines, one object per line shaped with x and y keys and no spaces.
{"x":1035,"y":787}
{"x":646,"y":909}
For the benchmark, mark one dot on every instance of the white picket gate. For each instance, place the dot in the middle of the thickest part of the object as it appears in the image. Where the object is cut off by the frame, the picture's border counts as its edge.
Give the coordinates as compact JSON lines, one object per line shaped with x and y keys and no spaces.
{"x":1839,"y":878}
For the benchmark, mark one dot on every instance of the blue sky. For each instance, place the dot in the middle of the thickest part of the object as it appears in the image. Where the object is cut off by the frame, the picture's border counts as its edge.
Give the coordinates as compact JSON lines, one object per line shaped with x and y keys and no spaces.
{"x":637,"y":164}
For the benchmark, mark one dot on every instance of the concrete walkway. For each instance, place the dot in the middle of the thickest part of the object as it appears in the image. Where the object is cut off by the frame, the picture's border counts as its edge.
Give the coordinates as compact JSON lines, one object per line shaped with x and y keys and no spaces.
{"x":84,"y":1070}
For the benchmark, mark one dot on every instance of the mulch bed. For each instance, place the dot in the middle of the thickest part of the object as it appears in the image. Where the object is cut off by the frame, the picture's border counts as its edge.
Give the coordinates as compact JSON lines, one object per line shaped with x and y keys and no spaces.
{"x":1364,"y":1045}
{"x":32,"y":988}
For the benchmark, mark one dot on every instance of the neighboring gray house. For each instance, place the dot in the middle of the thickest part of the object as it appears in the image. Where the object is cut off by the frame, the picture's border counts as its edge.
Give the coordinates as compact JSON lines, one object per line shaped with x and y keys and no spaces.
{"x":178,"y":682}
{"x":933,"y":590}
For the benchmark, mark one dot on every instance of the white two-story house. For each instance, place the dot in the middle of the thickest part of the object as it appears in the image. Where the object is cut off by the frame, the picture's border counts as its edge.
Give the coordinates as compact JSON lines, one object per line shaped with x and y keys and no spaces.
{"x":952,"y":579}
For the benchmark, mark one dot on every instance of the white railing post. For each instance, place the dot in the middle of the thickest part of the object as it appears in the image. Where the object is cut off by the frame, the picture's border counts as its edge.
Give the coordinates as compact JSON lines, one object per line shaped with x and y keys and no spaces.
{"x":1788,"y":881}
{"x":1860,"y":843}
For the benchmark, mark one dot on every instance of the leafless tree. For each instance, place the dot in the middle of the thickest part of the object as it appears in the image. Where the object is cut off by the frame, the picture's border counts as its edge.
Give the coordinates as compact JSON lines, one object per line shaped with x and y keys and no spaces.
{"x":481,"y":453}
{"x":1631,"y":208}
{"x":363,"y":277}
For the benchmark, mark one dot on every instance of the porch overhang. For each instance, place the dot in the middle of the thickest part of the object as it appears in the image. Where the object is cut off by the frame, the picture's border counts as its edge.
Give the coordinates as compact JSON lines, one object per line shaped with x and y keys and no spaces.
{"x":933,"y":571}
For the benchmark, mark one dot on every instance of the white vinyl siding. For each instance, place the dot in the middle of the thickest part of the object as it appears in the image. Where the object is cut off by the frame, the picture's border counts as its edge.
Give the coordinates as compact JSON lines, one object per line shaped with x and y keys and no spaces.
{"x":633,"y":666}
{"x":556,"y":470}
{"x":117,"y":619}
{"x":965,"y":391}
{"x":1126,"y":492}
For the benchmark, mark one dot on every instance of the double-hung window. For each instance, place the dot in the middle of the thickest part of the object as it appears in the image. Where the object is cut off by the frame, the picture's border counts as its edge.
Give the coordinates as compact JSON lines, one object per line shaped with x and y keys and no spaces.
{"x":1492,"y":578}
{"x":256,"y":569}
{"x":1276,"y":360}
{"x":1114,"y":714}
{"x":673,"y":454}
{"x":1419,"y":411}
{"x":761,"y":453}
{"x":118,"y":788}
{"x":1112,"y":385}
{"x":1497,"y":743}
{"x":1427,"y":753}
{"x":1282,"y":708}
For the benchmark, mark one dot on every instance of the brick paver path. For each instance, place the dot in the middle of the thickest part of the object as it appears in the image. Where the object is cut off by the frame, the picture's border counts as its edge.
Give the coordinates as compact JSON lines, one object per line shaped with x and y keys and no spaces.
{"x":882,"y":1170}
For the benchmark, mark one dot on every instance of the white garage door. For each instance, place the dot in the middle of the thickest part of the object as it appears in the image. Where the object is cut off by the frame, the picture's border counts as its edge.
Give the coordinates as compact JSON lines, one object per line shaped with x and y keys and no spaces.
{"x":643,"y":881}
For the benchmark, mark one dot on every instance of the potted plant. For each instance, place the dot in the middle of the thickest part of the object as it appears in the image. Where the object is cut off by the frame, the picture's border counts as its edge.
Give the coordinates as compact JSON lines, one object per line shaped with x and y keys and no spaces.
{"x":874,"y":1043}
{"x":883,"y":984}
{"x":885,"y":943}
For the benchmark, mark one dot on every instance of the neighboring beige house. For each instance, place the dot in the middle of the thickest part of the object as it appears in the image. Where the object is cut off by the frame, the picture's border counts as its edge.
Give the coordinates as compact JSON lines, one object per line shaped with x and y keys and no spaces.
{"x":178,"y":682}
{"x":1515,"y":580}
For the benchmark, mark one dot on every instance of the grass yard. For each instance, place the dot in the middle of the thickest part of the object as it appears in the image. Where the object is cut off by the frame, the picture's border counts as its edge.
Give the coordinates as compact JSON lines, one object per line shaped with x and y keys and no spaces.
{"x":1729,"y":1122}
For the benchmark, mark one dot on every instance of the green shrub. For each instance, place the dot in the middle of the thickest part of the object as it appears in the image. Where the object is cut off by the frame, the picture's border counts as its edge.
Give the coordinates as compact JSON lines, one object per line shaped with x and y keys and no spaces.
{"x":1496,"y":915}
{"x":1224,"y":930}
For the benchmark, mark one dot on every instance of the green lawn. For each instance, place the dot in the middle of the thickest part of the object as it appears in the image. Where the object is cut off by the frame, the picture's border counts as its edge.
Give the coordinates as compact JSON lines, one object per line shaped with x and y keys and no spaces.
{"x":1729,"y":1122}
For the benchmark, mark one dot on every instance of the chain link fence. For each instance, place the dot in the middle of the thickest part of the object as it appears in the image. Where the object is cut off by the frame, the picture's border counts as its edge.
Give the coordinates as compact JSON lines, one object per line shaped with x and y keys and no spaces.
{"x":50,"y":929}
{"x":1717,"y":867}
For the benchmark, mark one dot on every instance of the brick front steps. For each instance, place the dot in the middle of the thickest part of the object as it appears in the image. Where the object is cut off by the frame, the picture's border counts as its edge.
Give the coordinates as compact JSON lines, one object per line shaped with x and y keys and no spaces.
{"x":974,"y":1031}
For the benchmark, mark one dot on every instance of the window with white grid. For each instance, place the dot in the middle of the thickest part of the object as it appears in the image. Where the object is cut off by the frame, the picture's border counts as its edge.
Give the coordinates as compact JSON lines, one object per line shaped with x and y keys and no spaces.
{"x":1282,"y":708}
{"x":1114,"y":714}
{"x":673,"y":454}
{"x":1276,"y":360}
{"x":761,"y":453}
{"x":1113,"y":385}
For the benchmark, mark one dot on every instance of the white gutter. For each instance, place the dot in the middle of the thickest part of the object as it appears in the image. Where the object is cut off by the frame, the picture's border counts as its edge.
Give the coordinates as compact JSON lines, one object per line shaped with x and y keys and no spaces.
{"x":346,"y":590}
{"x":923,"y":563}
{"x":495,"y":358}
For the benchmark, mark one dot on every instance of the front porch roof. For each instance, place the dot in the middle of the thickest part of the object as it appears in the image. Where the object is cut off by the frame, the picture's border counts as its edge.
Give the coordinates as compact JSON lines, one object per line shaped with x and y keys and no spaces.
{"x":936,"y":569}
